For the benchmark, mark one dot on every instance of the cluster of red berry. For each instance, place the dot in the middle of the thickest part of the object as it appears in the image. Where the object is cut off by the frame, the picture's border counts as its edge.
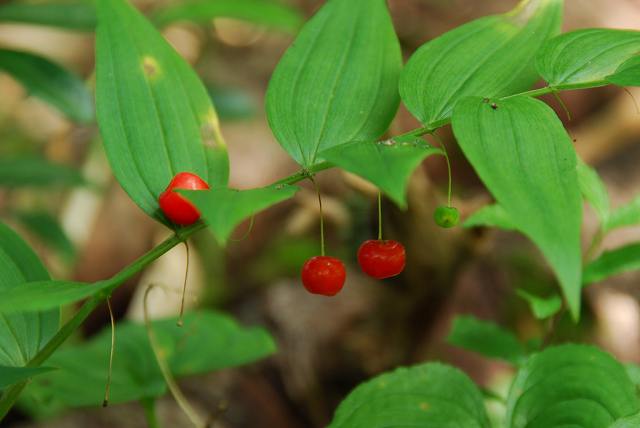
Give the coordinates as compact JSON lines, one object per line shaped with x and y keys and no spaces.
{"x":321,"y":274}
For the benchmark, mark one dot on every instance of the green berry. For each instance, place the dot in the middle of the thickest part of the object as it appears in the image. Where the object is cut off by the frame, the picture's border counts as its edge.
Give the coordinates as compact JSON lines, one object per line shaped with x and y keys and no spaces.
{"x":446,"y":216}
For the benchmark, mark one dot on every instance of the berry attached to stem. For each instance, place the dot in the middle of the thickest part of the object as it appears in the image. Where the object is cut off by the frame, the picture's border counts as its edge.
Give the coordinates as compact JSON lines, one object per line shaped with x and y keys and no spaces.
{"x":323,"y":275}
{"x":446,"y":216}
{"x":175,"y":206}
{"x":381,"y":258}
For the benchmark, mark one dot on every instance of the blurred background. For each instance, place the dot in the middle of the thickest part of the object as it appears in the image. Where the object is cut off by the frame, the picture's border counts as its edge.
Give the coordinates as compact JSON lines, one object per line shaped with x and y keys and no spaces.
{"x":88,"y":232}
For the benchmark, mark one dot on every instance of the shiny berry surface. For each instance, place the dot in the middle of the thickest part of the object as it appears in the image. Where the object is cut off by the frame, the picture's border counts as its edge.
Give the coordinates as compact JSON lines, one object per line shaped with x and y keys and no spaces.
{"x":323,"y":275}
{"x":175,"y":206}
{"x":381,"y":258}
{"x":446,"y":216}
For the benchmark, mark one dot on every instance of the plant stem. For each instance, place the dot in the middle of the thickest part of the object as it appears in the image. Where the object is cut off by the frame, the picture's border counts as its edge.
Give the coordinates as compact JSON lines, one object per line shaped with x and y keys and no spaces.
{"x":446,"y":157}
{"x":379,"y":216}
{"x":315,"y":185}
{"x":149,"y":406}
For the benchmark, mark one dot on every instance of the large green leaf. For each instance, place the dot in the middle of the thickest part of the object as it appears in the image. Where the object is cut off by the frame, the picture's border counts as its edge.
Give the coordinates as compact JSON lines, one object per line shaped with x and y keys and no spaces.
{"x":22,"y":335}
{"x":524,"y":156}
{"x":41,"y":295}
{"x":387,"y":164}
{"x":50,"y":82}
{"x":10,"y":375}
{"x":338,"y":81}
{"x":48,"y":229}
{"x":570,"y":386}
{"x":37,"y":172}
{"x":72,"y":15}
{"x":490,"y":215}
{"x":626,"y":215}
{"x":594,"y":190}
{"x":223,"y":209}
{"x":428,"y":396}
{"x":262,"y":12}
{"x":155,"y":116}
{"x":486,"y":338}
{"x":628,"y":74}
{"x":208,"y":341}
{"x":489,"y":57}
{"x":586,"y":56}
{"x":614,"y":262}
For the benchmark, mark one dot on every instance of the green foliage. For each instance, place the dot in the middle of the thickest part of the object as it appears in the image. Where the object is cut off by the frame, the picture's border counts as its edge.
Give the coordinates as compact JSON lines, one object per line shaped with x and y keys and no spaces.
{"x":490,"y":215}
{"x":155,"y":116}
{"x":489,"y":57}
{"x":524,"y":156}
{"x":430,"y":395}
{"x":46,"y":227}
{"x":570,"y":386}
{"x":387,"y":164}
{"x":542,"y":307}
{"x":50,"y":82}
{"x":261,"y":12}
{"x":71,"y":15}
{"x":22,"y":335}
{"x":628,"y":422}
{"x":37,"y":172}
{"x":208,"y":341}
{"x":628,"y":74}
{"x":223,"y":209}
{"x":585,"y":57}
{"x":10,"y":375}
{"x":594,"y":191}
{"x":626,"y":215}
{"x":338,"y":81}
{"x":41,"y":295}
{"x":486,"y":338}
{"x":613,"y":262}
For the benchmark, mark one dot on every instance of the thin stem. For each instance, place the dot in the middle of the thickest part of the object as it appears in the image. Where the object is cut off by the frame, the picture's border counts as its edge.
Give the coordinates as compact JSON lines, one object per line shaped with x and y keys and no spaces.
{"x":556,"y":95}
{"x":594,"y":246}
{"x":184,"y":286}
{"x":303,"y":174}
{"x":182,"y":401}
{"x":107,"y":389}
{"x":248,"y":232}
{"x":315,"y":185}
{"x":446,"y":157}
{"x":149,"y":406}
{"x":379,"y":216}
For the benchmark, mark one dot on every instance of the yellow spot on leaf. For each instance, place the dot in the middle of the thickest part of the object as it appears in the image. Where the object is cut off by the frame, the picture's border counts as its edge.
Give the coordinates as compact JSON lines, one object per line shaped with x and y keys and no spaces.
{"x":424,"y":406}
{"x":150,"y":67}
{"x":210,"y":130}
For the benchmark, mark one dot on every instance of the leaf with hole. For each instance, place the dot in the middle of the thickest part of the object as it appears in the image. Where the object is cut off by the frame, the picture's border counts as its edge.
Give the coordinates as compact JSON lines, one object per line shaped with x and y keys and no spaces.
{"x":492,"y":216}
{"x":524,"y":156}
{"x":155,"y":115}
{"x":337,"y":82}
{"x":428,"y":395}
{"x":586,"y":57}
{"x":570,"y":385}
{"x":387,"y":164}
{"x":49,"y":82}
{"x":489,"y":57}
{"x":613,"y":262}
{"x":69,"y":15}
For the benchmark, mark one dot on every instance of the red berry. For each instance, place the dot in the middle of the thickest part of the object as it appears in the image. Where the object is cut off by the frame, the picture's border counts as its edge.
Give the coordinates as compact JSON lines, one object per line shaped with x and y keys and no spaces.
{"x":323,"y":275}
{"x":175,"y":206}
{"x":381,"y":259}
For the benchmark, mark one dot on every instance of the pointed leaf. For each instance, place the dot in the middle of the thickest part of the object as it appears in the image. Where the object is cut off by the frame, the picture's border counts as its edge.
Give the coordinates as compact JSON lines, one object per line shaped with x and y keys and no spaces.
{"x":492,"y":216}
{"x":71,"y":15}
{"x":626,"y":215}
{"x":387,"y":164}
{"x":10,"y":375}
{"x":586,"y":56}
{"x":486,"y":338}
{"x":628,"y":74}
{"x":261,"y":12}
{"x":155,"y":116}
{"x":338,"y":81}
{"x":50,"y":82}
{"x":524,"y":156}
{"x":37,"y":172}
{"x":41,"y":295}
{"x":594,"y":190}
{"x":489,"y":57}
{"x":223,"y":209}
{"x":570,"y":386}
{"x":22,"y":335}
{"x":428,"y":395}
{"x":542,"y":307}
{"x":613,"y":262}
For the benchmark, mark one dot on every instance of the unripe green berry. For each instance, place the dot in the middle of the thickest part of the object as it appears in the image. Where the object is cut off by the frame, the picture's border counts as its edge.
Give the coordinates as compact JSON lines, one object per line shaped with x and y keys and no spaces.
{"x":446,"y":216}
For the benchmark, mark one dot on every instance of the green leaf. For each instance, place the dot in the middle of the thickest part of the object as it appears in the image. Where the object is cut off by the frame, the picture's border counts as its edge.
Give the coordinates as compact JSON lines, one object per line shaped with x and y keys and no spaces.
{"x":428,"y":395}
{"x":633,"y":370}
{"x":586,"y":56}
{"x":22,"y":335}
{"x":570,"y":386}
{"x":628,"y":422}
{"x":47,"y":228}
{"x":490,"y":215}
{"x":41,"y":295}
{"x":486,"y":338}
{"x":626,"y":215}
{"x":155,"y":116}
{"x":208,"y":341}
{"x":223,"y":209}
{"x":10,"y":375}
{"x":628,"y":74}
{"x":524,"y":156}
{"x":542,"y":307}
{"x":71,"y":15}
{"x":37,"y":172}
{"x":261,"y":12}
{"x":387,"y":164}
{"x":489,"y":57}
{"x":338,"y":82}
{"x":614,"y":262}
{"x":593,"y":190}
{"x":50,"y":82}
